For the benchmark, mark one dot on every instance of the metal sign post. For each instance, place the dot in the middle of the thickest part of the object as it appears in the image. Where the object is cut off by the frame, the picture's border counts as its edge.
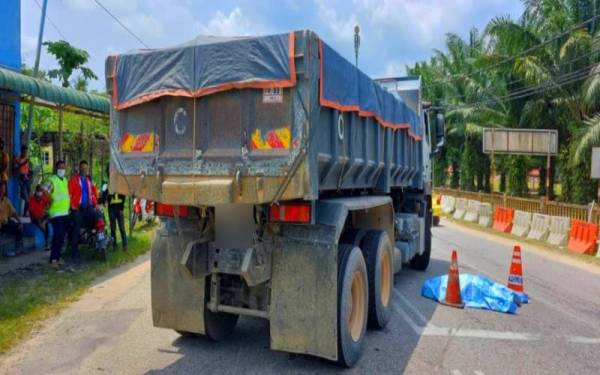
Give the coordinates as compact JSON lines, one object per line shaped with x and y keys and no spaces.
{"x":595,"y":172}
{"x":543,"y":142}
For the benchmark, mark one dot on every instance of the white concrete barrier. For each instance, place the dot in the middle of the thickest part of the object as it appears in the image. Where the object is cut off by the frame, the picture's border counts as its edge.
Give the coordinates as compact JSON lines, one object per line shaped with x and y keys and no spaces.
{"x":539,"y":227}
{"x":485,"y":214}
{"x":521,"y":223}
{"x":472,"y":211}
{"x":448,"y":203}
{"x":460,"y":208}
{"x":559,"y":230}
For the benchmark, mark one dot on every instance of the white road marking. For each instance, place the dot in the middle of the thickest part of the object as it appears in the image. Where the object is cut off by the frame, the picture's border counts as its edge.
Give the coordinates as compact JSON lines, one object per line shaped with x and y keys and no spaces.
{"x":583,"y":340}
{"x":430,"y":329}
{"x":410,"y":306}
{"x":456,"y":372}
{"x":477,"y":372}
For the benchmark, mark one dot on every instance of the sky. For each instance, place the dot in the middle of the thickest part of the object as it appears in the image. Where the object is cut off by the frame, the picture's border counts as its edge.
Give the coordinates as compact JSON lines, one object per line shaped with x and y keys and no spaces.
{"x":394,"y":33}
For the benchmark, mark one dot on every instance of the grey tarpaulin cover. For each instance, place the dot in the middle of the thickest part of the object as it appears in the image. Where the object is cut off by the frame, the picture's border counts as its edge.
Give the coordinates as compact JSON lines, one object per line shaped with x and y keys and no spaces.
{"x":204,"y":66}
{"x":208,"y":65}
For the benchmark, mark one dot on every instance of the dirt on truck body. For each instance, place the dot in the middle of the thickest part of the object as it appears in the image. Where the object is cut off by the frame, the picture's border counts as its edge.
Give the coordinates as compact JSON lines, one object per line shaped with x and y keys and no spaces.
{"x":290,"y":186}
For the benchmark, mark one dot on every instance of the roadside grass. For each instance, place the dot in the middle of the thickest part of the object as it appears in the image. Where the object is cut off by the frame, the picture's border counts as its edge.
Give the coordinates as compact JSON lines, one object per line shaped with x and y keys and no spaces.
{"x":590,"y":259}
{"x":38,"y":292}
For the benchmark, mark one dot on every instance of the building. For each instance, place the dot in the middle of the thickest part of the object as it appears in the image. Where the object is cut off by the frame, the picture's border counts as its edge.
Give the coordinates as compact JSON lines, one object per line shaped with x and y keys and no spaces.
{"x":10,"y":58}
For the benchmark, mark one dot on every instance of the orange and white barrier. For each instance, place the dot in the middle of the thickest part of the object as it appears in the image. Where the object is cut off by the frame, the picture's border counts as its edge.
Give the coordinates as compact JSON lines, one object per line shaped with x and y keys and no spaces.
{"x":472,"y":212}
{"x":521,"y":223}
{"x":503,"y":219}
{"x":460,"y":208}
{"x":582,"y":237}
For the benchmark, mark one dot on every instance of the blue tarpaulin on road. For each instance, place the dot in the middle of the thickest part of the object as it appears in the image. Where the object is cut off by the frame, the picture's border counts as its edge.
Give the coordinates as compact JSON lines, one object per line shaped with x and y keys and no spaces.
{"x":477,"y":292}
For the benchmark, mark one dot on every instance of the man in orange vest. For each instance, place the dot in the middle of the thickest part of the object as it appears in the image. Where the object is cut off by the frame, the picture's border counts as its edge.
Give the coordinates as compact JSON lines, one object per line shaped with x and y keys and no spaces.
{"x":84,"y":200}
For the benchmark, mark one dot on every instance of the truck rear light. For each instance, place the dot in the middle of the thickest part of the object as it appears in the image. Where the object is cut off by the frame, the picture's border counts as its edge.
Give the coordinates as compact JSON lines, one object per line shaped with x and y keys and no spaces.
{"x":162,"y":209}
{"x":290,"y":213}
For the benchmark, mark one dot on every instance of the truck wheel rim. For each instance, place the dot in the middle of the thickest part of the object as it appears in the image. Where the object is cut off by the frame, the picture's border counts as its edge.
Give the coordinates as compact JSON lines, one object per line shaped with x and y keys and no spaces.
{"x":357,"y":305}
{"x":385,"y":283}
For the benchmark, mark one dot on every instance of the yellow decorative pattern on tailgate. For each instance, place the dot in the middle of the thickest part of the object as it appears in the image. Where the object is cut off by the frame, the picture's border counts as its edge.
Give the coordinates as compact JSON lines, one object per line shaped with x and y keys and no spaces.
{"x":131,"y":143}
{"x":275,"y":139}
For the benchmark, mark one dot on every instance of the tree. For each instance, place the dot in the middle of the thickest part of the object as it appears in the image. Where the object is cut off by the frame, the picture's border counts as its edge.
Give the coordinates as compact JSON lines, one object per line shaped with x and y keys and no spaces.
{"x":540,"y":71}
{"x":69,"y":59}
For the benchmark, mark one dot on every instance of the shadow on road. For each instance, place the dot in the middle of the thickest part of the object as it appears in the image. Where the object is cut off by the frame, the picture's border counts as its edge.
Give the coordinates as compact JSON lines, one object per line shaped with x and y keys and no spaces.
{"x":247,"y":349}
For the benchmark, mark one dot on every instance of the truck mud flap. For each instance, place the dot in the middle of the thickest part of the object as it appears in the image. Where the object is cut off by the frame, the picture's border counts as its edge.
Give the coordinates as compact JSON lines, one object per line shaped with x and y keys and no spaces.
{"x":303,"y":312}
{"x":178,"y":270}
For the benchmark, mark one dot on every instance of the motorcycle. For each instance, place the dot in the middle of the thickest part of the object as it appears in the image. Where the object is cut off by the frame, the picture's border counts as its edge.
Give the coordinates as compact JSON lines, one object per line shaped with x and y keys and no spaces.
{"x":95,"y":236}
{"x":142,"y":210}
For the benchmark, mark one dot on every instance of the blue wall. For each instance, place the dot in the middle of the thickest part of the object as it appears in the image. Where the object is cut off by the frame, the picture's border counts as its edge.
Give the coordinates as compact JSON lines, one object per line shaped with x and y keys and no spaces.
{"x":10,"y":57}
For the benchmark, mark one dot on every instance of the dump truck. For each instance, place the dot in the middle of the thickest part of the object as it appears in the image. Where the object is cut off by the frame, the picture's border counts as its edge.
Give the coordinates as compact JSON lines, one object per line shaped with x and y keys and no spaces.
{"x":289,"y":185}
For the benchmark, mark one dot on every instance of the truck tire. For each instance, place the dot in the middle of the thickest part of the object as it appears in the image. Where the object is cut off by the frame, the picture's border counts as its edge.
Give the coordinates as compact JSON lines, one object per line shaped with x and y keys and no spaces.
{"x":217,"y":326}
{"x":378,"y":252}
{"x":421,"y":262}
{"x":353,"y":237}
{"x":353,"y":302}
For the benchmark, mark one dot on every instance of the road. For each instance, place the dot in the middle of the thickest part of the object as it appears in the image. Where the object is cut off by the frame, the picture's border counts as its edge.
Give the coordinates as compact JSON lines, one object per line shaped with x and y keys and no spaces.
{"x":109,"y":329}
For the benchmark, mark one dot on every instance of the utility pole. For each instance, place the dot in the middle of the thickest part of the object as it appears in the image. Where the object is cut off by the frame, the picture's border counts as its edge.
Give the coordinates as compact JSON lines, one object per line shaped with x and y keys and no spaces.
{"x":36,"y":67}
{"x":356,"y":43}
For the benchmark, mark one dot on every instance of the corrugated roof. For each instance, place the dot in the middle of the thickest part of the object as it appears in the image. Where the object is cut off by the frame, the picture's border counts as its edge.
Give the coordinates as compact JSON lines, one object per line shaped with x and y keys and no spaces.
{"x":25,"y":85}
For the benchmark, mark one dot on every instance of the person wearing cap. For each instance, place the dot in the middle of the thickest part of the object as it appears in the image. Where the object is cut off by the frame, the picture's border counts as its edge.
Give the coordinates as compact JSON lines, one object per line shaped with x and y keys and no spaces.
{"x":9,"y":220}
{"x":38,"y":206}
{"x":84,"y":199}
{"x":58,"y":211}
{"x":23,"y":171}
{"x":4,"y":162}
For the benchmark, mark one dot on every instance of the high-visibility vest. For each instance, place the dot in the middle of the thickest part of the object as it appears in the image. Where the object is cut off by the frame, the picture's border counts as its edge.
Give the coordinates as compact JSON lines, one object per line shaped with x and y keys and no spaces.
{"x":116,"y":199}
{"x":60,"y":197}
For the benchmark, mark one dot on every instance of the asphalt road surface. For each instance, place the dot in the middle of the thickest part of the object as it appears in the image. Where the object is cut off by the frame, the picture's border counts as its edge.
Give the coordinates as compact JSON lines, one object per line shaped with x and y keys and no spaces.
{"x":109,"y":330}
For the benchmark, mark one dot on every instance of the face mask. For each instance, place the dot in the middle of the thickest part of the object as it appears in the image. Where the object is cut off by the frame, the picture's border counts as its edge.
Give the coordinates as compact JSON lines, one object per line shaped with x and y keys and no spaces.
{"x":38,"y":194}
{"x":60,"y":173}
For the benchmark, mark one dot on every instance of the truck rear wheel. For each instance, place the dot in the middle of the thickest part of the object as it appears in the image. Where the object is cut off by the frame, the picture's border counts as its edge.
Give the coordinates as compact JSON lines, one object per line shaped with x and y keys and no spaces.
{"x":353,"y":237}
{"x":353,"y":300}
{"x":378,"y":253}
{"x":217,"y":326}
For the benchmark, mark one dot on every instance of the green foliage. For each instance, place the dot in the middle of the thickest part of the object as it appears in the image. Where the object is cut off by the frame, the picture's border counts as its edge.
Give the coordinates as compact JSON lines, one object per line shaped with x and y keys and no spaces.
{"x":39,"y":292}
{"x":69,"y":59}
{"x":516,"y":175}
{"x":516,"y":74}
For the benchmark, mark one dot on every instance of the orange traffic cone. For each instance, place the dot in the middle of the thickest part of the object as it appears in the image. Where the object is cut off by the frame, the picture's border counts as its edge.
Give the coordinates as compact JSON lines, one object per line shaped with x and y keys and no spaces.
{"x":453,"y":297}
{"x":515,"y":274}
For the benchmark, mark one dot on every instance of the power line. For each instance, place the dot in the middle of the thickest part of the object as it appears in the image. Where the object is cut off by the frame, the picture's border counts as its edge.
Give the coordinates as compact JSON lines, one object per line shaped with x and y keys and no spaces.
{"x":510,"y":58}
{"x":52,"y":22}
{"x":121,"y":23}
{"x":518,"y":80}
{"x":563,"y":80}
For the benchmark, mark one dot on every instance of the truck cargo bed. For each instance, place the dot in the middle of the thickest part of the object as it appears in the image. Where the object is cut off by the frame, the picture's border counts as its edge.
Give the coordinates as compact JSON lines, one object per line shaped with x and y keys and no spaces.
{"x":256,"y":141}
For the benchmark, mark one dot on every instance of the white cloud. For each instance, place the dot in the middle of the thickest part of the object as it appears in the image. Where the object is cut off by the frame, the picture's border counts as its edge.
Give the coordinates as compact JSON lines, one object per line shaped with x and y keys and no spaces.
{"x":341,"y":27}
{"x":394,"y":68}
{"x":232,"y":24}
{"x":146,"y":26}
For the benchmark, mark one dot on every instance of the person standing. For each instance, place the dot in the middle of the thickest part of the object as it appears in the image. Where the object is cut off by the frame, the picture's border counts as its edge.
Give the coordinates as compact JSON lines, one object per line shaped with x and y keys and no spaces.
{"x":116,"y":204}
{"x":84,"y":200}
{"x":24,"y":174}
{"x":9,"y":220}
{"x":4,"y":162}
{"x":58,"y":211}
{"x":38,"y":205}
